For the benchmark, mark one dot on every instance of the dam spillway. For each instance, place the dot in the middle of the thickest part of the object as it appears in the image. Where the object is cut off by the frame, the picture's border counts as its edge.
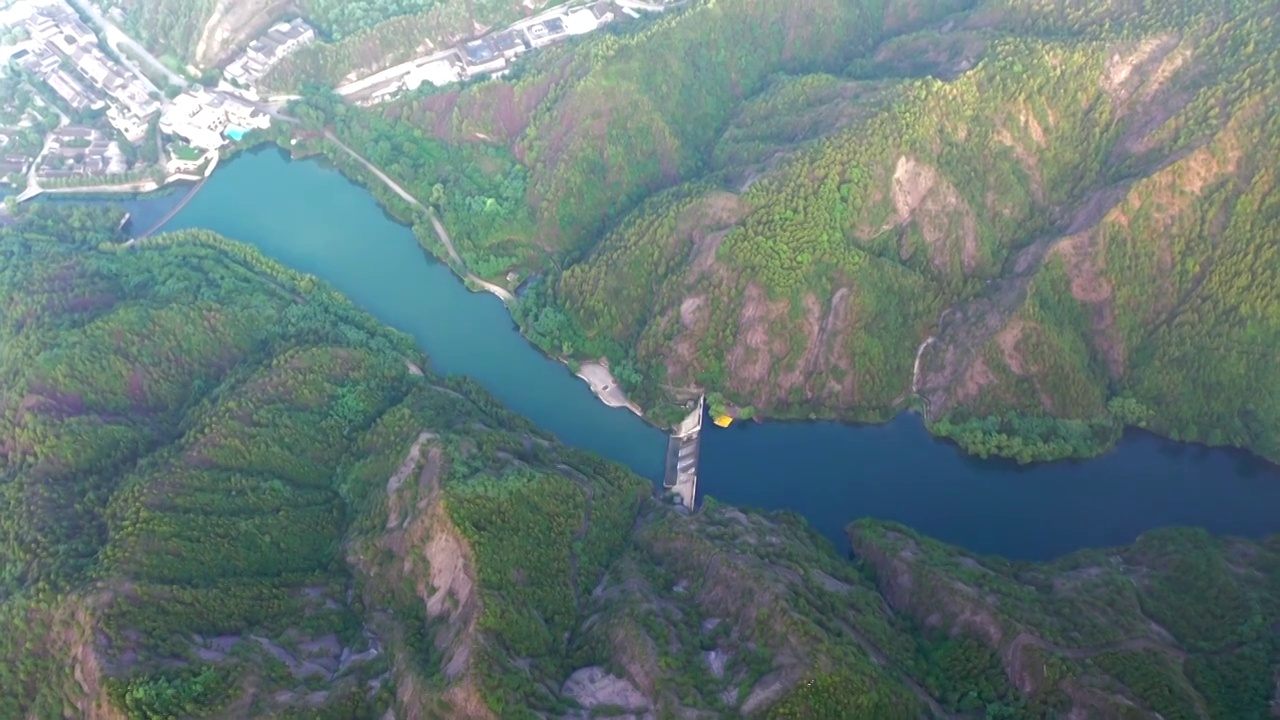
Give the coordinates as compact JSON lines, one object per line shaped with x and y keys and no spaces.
{"x":681,"y":475}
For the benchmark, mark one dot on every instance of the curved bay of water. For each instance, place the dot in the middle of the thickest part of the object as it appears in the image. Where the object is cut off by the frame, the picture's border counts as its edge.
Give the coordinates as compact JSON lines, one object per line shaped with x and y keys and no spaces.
{"x":312,"y":219}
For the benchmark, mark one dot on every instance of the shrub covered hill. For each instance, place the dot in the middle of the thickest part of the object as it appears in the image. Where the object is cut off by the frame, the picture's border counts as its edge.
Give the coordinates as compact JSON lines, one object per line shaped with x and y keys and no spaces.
{"x":1046,"y":219}
{"x":225,"y":492}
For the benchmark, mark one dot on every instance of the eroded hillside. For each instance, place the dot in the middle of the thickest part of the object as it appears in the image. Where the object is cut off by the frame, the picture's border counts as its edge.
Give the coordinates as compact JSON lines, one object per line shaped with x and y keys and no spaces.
{"x":1025,"y":217}
{"x":227,"y":493}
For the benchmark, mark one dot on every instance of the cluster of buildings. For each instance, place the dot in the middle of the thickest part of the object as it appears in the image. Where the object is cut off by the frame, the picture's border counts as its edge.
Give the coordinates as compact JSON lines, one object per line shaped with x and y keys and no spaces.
{"x":209,"y":119}
{"x":64,"y":53}
{"x":493,"y":54}
{"x":263,"y":53}
{"x":80,"y":152}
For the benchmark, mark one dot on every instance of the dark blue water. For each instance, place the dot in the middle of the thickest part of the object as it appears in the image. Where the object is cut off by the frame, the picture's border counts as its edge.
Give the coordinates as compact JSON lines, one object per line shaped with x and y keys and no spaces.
{"x":830,"y":473}
{"x":313,"y":220}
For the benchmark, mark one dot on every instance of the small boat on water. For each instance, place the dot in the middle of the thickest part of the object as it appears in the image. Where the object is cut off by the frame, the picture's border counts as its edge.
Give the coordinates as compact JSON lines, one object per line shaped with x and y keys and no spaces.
{"x":723,"y":421}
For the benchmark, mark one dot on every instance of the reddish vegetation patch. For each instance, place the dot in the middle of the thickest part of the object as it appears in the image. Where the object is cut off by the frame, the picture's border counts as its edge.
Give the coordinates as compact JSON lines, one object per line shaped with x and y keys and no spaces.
{"x":90,"y":303}
{"x":976,"y":378}
{"x":47,"y":400}
{"x":835,"y":351}
{"x":684,"y":350}
{"x":798,"y":374}
{"x":900,"y":15}
{"x":755,"y":351}
{"x":1008,"y":340}
{"x":441,"y":107}
{"x":706,"y":224}
{"x":749,"y":360}
{"x":922,"y":196}
{"x":138,"y":386}
{"x":1090,"y":285}
{"x":668,"y":162}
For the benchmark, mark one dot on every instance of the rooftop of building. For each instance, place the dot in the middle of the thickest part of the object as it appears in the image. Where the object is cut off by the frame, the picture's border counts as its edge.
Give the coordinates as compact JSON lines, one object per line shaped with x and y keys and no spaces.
{"x":479,"y":51}
{"x":507,"y":40}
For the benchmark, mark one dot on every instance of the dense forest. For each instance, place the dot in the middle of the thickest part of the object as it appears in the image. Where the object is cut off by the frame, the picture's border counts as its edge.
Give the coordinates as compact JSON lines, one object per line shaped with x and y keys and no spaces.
{"x":826,"y":209}
{"x":170,"y":29}
{"x":225,"y":492}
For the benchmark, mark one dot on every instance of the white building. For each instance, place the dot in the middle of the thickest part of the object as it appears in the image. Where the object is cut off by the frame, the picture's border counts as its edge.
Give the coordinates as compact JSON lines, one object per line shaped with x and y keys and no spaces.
{"x":438,"y":73}
{"x":131,"y":126}
{"x":202,"y":117}
{"x":547,"y":31}
{"x":290,"y":36}
{"x":263,"y":53}
{"x":584,"y":20}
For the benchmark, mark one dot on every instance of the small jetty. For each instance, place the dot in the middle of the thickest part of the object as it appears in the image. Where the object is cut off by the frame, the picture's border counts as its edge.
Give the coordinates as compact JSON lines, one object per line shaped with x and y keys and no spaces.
{"x":682,"y":457}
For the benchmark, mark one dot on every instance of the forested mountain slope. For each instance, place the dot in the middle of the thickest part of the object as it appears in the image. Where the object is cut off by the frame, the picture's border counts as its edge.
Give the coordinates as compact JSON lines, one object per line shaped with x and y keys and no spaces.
{"x":227,"y":493}
{"x":1044,"y":219}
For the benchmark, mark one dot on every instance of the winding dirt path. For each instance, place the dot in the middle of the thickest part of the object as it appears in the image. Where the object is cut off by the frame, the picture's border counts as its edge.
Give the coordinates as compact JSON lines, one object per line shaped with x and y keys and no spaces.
{"x":441,"y":233}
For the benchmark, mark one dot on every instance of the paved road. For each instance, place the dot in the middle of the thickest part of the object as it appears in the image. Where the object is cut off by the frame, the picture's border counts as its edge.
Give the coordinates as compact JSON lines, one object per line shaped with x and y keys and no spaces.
{"x":117,"y":38}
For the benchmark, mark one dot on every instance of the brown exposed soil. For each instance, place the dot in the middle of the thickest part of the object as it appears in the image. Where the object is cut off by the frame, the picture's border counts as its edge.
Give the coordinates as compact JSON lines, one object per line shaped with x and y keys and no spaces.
{"x":1209,"y":164}
{"x":1090,"y":285}
{"x":428,"y":554}
{"x":689,"y":310}
{"x":750,"y":360}
{"x":684,"y":349}
{"x":812,"y":323}
{"x":945,"y":220}
{"x":1008,"y":340}
{"x":232,"y":25}
{"x":138,"y":386}
{"x":1130,"y":68}
{"x":713,"y":212}
{"x":976,"y":378}
{"x":1026,"y":156}
{"x":834,"y":351}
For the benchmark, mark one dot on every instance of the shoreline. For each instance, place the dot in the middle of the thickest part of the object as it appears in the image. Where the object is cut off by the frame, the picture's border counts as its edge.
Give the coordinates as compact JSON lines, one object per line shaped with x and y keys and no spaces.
{"x":604,"y":385}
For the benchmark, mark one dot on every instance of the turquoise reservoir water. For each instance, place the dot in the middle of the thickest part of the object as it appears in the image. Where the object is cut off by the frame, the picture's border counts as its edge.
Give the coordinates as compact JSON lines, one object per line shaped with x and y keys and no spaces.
{"x":310,"y":218}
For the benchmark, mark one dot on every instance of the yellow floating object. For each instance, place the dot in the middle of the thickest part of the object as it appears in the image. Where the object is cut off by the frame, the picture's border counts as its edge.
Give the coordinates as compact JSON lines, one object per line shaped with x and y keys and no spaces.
{"x":723,"y":420}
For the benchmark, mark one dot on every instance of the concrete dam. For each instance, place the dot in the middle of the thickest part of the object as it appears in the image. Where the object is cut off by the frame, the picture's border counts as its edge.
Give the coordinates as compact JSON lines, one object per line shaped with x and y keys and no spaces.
{"x":681,"y":476}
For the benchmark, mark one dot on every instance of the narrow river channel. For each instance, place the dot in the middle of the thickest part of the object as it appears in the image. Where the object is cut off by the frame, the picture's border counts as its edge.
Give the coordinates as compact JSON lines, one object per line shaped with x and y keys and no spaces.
{"x":312,"y":219}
